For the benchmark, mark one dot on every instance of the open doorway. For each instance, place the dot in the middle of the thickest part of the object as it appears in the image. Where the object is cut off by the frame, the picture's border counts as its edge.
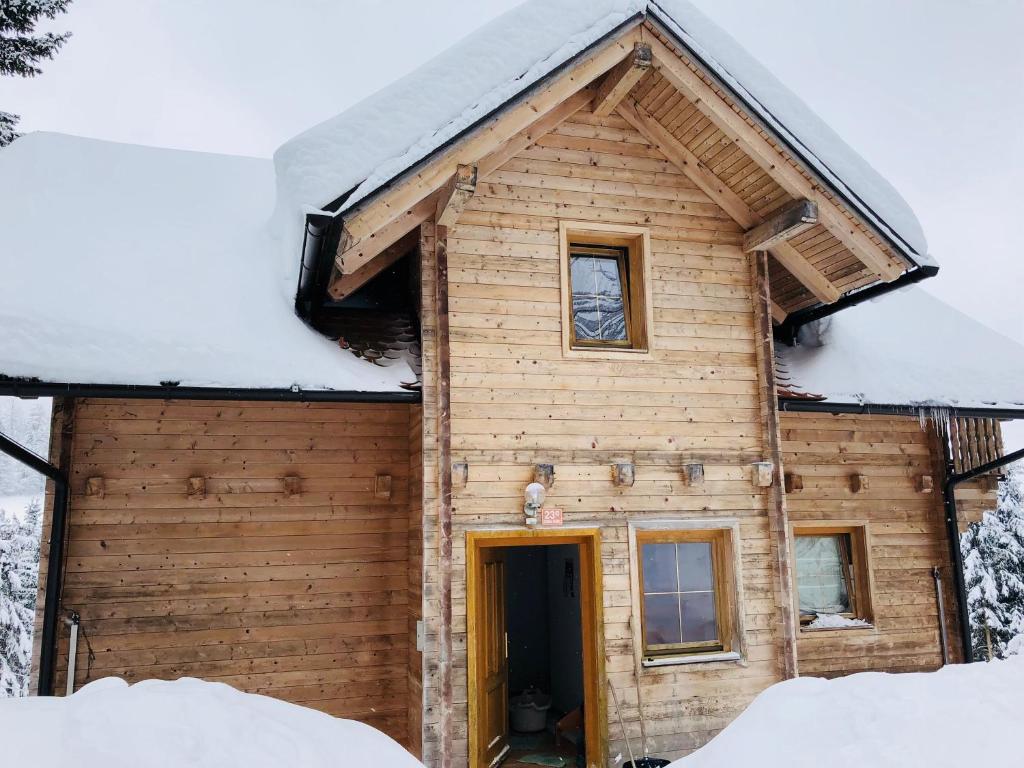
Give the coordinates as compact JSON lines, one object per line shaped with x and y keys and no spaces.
{"x":534,"y":660}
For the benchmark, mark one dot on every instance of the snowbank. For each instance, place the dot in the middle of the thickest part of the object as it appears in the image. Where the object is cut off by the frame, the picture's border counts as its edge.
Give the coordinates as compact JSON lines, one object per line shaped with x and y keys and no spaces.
{"x":908,"y":348}
{"x":133,"y":265}
{"x":109,"y":724}
{"x":960,"y":715}
{"x":364,"y":147}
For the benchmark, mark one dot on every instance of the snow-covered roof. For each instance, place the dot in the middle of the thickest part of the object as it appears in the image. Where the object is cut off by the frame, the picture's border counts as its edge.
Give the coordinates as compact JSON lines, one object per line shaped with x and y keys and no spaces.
{"x":378,"y":139}
{"x":132,"y":265}
{"x":907,"y":348}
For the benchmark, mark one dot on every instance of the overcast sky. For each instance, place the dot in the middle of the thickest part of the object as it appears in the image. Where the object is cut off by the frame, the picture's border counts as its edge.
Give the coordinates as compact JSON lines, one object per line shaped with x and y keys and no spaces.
{"x":929,"y":91}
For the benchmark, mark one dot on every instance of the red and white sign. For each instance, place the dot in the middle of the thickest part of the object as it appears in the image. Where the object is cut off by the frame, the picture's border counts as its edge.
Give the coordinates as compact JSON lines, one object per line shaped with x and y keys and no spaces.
{"x":551,"y":517}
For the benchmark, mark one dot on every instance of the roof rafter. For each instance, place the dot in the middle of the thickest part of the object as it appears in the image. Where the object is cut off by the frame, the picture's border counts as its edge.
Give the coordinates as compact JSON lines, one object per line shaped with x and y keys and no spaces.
{"x":758,"y":148}
{"x":454,"y":195}
{"x":621,"y":79}
{"x":346,"y":284}
{"x":728,"y":200}
{"x":408,"y":191}
{"x":785,"y":224}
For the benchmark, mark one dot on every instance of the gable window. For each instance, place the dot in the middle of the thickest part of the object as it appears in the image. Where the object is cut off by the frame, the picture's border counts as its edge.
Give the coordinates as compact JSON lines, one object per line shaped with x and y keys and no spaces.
{"x":685,"y":585}
{"x":605,"y":289}
{"x":831,"y":573}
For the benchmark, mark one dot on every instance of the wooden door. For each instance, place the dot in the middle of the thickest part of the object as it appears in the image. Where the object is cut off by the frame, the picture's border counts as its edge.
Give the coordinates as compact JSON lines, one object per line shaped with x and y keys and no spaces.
{"x":492,"y":657}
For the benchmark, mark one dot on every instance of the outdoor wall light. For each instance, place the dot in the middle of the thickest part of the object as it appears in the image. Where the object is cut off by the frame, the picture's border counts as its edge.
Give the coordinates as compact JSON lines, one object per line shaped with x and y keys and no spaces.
{"x":534,"y":497}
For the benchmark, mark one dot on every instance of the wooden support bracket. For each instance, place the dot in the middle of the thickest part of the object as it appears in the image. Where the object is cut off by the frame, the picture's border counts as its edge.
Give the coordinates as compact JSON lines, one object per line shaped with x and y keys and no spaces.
{"x":785,"y":224}
{"x":624,"y":475}
{"x":621,"y":78}
{"x":95,"y":486}
{"x":382,"y":487}
{"x":460,"y":474}
{"x":544,"y":474}
{"x":197,"y":487}
{"x":763,"y":473}
{"x":454,"y":195}
{"x":693,"y":474}
{"x":859,"y":483}
{"x":292,"y":485}
{"x":925,"y":484}
{"x":346,"y":284}
{"x":794,"y":482}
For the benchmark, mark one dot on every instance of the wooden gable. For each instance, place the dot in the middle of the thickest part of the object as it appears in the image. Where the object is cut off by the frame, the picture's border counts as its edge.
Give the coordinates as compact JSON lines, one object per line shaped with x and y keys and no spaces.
{"x":642,"y":76}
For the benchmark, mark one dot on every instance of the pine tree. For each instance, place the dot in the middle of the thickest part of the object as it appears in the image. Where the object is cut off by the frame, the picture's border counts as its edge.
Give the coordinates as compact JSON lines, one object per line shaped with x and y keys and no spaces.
{"x":994,"y":570}
{"x":19,"y":575}
{"x":21,"y":49}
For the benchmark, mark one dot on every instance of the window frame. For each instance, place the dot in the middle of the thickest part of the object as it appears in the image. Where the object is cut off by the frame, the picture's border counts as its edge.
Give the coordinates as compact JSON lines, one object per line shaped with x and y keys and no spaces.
{"x":637,"y":298}
{"x":858,"y":583}
{"x":724,"y":589}
{"x":622,"y":258}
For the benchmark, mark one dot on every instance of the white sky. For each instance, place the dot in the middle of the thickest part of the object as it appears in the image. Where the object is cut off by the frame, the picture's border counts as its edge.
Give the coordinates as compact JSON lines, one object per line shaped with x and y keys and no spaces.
{"x":929,"y":91}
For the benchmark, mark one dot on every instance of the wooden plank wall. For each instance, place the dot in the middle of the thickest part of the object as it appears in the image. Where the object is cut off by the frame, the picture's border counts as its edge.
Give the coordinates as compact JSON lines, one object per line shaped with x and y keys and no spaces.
{"x":906,"y":535}
{"x":302,"y":597}
{"x":516,"y":401}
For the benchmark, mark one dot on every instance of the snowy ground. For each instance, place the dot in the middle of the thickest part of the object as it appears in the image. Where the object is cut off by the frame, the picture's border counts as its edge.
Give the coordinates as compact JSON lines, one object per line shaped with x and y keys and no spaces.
{"x":109,"y":724}
{"x":960,"y":715}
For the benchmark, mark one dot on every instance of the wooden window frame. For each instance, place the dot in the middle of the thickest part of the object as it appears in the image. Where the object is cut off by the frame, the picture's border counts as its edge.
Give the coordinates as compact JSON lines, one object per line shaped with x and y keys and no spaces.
{"x":858,"y":583}
{"x":636,"y":283}
{"x":724,"y":586}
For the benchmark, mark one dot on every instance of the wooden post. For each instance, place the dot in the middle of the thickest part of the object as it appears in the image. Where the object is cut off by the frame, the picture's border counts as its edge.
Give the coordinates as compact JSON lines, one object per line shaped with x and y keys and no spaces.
{"x":778,"y":517}
{"x":444,"y":466}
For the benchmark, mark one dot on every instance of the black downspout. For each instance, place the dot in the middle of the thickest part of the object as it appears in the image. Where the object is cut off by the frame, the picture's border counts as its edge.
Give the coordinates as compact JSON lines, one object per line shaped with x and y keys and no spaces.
{"x":55,"y":558}
{"x":953,"y":533}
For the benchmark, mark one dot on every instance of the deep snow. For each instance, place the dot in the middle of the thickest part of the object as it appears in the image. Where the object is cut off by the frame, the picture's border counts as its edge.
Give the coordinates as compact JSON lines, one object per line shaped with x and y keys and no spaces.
{"x":188,"y":722}
{"x":961,"y":715}
{"x":908,"y":348}
{"x":134,"y":265}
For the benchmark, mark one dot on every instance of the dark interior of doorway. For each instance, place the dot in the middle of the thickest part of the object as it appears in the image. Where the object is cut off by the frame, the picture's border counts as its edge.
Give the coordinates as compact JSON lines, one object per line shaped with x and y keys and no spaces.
{"x":545,"y":655}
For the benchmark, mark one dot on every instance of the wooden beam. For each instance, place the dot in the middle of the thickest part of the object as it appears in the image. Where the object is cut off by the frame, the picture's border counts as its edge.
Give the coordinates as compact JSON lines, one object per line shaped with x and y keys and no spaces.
{"x":351,"y":257}
{"x":721,"y":194}
{"x":406,"y":192}
{"x":497,"y":158}
{"x":454,"y":195}
{"x":343,"y":285}
{"x":761,"y":151}
{"x":785,"y":224}
{"x":621,"y":79}
{"x":779,"y":315}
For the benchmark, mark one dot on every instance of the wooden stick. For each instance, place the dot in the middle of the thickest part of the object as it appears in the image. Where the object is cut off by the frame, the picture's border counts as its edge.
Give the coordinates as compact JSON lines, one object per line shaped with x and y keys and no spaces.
{"x":622,"y":725}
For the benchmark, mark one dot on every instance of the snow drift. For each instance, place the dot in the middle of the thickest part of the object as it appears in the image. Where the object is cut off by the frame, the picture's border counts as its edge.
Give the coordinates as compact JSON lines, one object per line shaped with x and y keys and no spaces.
{"x":960,"y":715}
{"x":188,"y":722}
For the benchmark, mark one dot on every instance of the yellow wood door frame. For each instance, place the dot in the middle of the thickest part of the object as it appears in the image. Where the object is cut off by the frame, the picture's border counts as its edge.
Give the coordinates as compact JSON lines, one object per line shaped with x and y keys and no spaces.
{"x":591,"y":611}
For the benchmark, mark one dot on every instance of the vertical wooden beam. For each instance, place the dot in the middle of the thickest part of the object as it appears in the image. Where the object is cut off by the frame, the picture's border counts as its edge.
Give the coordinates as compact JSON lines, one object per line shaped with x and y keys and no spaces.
{"x":444,"y":467}
{"x":778,"y":516}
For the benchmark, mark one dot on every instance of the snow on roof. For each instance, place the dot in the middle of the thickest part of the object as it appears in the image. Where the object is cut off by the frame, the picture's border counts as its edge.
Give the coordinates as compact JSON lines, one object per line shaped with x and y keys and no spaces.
{"x":376,"y":140}
{"x":907,"y":348}
{"x":185,"y":722}
{"x":962,"y":714}
{"x":132,"y":265}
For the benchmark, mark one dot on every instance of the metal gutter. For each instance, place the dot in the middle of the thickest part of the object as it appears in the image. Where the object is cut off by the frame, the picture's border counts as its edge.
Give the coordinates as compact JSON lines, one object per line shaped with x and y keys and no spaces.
{"x":21,"y":388}
{"x":55,"y":557}
{"x":787,"y":331}
{"x":953,"y":534}
{"x":824,"y":406}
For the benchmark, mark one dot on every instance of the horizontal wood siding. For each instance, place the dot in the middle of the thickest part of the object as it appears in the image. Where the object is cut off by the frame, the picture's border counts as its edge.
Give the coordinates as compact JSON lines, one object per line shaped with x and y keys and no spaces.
{"x":517,"y":401}
{"x":302,"y":597}
{"x":905,"y":530}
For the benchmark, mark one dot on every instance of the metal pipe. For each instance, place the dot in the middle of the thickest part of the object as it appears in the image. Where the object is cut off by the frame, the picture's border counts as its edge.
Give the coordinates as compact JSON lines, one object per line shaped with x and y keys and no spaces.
{"x":55,"y":556}
{"x":799,"y":405}
{"x":943,"y":636}
{"x":73,"y":621}
{"x":953,"y":534}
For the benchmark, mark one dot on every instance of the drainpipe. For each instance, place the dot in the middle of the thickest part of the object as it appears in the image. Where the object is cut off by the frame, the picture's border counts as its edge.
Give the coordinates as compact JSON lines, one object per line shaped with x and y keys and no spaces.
{"x":953,"y":533}
{"x":55,"y":558}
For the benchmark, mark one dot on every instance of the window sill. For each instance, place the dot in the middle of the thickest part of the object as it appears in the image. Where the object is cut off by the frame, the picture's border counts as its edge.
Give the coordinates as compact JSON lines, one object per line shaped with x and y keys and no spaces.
{"x":820,"y":630}
{"x":603,"y":353}
{"x":696,"y":658}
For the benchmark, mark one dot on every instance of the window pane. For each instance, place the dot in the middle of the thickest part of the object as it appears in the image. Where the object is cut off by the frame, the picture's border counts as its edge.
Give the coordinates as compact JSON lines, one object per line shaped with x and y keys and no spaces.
{"x":820,"y":577}
{"x":598,"y":301}
{"x":695,"y":573}
{"x":699,"y":625}
{"x":661,"y":620}
{"x":659,"y":568}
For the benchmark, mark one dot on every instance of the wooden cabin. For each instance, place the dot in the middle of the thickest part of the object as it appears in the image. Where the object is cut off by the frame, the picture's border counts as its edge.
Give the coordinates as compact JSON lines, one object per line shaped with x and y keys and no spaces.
{"x":580,"y":398}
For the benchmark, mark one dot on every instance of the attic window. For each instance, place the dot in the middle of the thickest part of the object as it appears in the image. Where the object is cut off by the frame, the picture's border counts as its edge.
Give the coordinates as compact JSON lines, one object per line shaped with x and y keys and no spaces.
{"x":605,"y":284}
